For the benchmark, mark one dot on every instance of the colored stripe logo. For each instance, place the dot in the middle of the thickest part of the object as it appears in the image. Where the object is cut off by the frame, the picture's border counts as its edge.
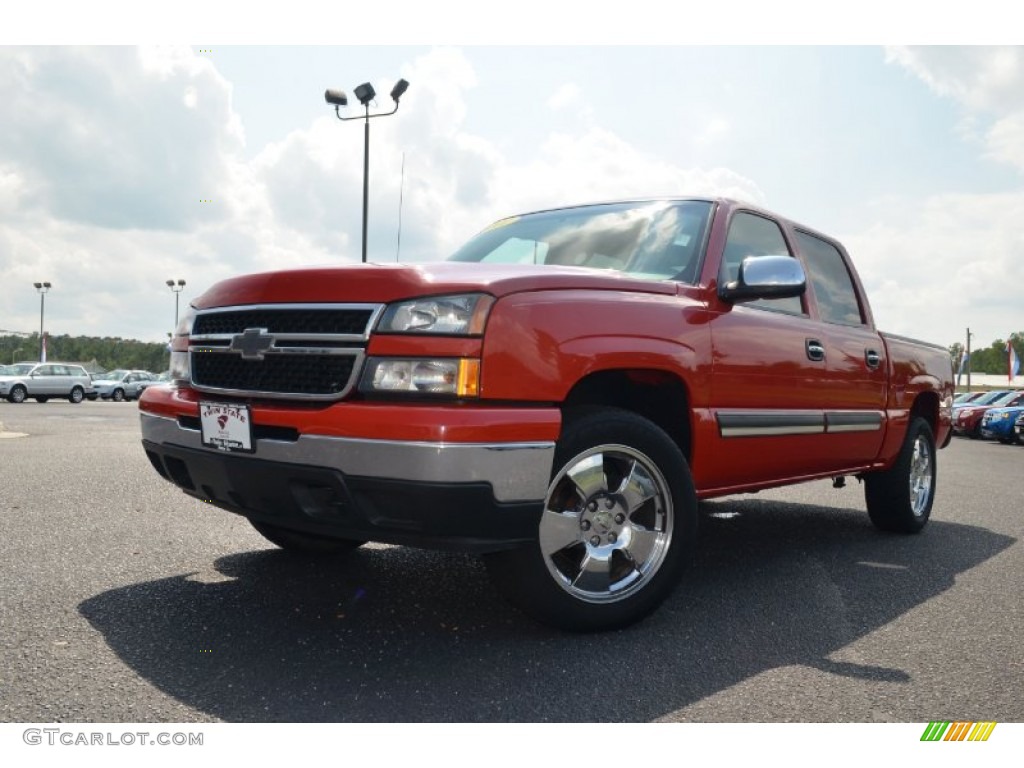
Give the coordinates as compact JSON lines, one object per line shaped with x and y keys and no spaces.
{"x":959,"y":731}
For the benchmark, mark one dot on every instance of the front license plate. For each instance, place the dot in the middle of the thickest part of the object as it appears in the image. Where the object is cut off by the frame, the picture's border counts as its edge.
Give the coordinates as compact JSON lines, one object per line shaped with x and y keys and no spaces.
{"x":226,"y":427}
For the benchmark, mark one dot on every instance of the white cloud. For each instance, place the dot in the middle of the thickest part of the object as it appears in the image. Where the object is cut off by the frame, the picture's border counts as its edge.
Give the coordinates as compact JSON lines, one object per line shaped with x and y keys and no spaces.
{"x":980,"y":77}
{"x":716,"y":129}
{"x":100,"y":137}
{"x":1005,"y":140}
{"x":567,"y":96}
{"x":946,"y":263}
{"x":988,"y":81}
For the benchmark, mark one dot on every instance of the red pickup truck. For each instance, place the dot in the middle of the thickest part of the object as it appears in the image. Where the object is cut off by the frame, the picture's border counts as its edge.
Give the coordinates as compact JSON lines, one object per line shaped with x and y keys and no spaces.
{"x":556,"y":396}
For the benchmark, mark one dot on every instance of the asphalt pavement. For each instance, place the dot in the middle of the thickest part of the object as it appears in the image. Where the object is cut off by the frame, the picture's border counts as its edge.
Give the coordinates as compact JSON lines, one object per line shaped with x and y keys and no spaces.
{"x":123,"y":600}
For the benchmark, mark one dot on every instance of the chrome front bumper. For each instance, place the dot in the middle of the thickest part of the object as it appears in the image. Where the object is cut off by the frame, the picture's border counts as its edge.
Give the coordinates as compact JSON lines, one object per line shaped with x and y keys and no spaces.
{"x":517,"y":472}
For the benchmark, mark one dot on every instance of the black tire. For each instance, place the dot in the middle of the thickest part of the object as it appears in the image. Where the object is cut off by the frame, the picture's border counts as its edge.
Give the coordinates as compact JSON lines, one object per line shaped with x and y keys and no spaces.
{"x":77,"y":395}
{"x":900,"y":499}
{"x":304,"y":543}
{"x":42,"y":399}
{"x":618,"y":526}
{"x":17,"y":394}
{"x":117,"y":395}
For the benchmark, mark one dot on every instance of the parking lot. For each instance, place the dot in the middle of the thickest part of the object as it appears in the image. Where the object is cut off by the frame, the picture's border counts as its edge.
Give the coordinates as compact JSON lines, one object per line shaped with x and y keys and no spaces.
{"x":124,"y":600}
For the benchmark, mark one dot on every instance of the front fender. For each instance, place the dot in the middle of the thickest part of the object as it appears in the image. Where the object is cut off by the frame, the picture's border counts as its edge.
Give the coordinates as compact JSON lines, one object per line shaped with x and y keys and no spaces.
{"x":539,"y":345}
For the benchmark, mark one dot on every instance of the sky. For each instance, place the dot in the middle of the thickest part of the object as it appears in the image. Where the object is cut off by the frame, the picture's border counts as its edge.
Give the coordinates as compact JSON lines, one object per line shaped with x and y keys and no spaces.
{"x":124,"y":166}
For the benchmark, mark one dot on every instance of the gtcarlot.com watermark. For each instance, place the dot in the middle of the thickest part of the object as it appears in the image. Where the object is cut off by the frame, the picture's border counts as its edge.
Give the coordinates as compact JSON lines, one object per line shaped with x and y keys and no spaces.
{"x":60,"y":737}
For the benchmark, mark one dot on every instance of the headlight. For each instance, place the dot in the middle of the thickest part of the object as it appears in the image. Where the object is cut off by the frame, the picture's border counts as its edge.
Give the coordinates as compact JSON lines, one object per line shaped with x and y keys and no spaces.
{"x":180,"y":370}
{"x":463,"y":315}
{"x":458,"y":377}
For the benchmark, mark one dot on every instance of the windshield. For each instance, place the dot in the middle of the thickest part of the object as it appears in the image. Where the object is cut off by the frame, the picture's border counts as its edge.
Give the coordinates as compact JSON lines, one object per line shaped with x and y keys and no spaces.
{"x":114,"y":375}
{"x":21,"y":369}
{"x":649,"y":240}
{"x":989,"y":397}
{"x":1008,"y":399}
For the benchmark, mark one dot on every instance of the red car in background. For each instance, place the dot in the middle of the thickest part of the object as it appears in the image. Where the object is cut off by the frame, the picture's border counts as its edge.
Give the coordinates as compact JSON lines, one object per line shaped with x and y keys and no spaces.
{"x":967,"y":420}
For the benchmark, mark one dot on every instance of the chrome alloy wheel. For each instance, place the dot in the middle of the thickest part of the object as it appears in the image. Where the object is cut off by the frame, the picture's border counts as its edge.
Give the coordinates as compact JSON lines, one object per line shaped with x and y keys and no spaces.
{"x":607,"y":524}
{"x":921,"y":476}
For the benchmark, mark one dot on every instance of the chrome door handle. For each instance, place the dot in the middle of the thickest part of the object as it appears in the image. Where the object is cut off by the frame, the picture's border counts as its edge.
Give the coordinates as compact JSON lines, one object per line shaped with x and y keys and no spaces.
{"x":872,"y":358}
{"x":815,"y":350}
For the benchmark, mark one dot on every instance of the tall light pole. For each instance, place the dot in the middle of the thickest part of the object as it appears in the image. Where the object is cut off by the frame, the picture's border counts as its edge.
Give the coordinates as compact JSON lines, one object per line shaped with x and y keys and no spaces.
{"x":42,"y":288}
{"x":365,"y":94}
{"x":177,"y":286}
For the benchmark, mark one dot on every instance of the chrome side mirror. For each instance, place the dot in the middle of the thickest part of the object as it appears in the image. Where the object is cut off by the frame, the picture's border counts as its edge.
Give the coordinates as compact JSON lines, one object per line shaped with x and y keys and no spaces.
{"x":765,"y":277}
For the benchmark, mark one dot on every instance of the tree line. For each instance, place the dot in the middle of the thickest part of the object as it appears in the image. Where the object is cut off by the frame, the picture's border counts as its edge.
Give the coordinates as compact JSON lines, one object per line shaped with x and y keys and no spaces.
{"x":991,"y":359}
{"x":97,"y":354}
{"x":108,"y":353}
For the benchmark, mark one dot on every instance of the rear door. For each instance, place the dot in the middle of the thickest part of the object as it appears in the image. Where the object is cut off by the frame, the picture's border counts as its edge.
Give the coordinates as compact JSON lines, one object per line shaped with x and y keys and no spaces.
{"x":857,"y":367}
{"x":44,"y":381}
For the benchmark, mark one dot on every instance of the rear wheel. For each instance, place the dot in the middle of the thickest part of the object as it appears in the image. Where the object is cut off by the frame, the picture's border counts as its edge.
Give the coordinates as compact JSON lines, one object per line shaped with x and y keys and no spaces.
{"x":306,"y":543}
{"x":17,"y":394}
{"x":617,"y":528}
{"x":900,"y":498}
{"x":77,"y":395}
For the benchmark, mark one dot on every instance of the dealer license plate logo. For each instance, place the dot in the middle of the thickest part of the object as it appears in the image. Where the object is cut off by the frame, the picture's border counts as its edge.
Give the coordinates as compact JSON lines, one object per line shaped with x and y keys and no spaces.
{"x":225,"y":426}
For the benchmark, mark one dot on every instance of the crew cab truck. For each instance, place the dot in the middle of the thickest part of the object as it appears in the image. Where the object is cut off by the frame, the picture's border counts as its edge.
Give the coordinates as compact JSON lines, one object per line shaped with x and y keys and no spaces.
{"x":556,"y":396}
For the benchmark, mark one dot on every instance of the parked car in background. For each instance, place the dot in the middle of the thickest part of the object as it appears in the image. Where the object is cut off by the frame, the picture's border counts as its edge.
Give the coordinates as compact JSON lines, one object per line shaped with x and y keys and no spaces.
{"x":120,"y":384}
{"x":1000,"y":424}
{"x":967,"y":420}
{"x":45,"y":380}
{"x":986,"y":398}
{"x":967,"y":397}
{"x":1018,"y":429}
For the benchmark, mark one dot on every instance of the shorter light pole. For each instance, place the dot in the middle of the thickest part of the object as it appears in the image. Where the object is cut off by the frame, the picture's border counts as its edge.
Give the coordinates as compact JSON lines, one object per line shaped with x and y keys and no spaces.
{"x":969,"y":334}
{"x":177,"y":286}
{"x":365,"y":94}
{"x":42,"y":288}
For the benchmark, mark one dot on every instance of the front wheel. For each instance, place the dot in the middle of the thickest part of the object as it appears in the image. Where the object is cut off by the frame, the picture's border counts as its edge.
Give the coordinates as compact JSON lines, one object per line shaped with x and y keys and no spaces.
{"x":304,"y":543}
{"x":118,"y":395}
{"x":617,"y":528}
{"x":900,"y":498}
{"x":17,"y":394}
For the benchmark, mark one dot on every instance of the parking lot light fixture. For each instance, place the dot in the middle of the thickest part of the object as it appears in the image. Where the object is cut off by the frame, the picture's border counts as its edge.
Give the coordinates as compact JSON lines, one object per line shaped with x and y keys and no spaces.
{"x":365,"y":93}
{"x":42,"y":288}
{"x":177,"y":286}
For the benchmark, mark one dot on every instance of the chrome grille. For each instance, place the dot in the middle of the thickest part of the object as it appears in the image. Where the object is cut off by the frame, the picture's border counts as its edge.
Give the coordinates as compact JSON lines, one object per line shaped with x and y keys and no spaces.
{"x":299,"y":351}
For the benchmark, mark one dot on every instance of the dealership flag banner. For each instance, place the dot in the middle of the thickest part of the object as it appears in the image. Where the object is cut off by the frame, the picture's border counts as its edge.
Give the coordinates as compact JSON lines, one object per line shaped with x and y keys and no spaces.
{"x":1012,"y":361}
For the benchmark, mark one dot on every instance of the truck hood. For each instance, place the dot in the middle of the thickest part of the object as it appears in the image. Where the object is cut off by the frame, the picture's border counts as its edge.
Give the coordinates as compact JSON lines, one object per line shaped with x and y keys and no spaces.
{"x":374,"y":283}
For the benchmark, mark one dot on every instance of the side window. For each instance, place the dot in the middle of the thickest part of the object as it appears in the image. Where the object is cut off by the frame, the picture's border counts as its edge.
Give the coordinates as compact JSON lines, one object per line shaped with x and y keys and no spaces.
{"x":833,"y":287}
{"x":753,"y":235}
{"x":45,"y":370}
{"x":61,"y":370}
